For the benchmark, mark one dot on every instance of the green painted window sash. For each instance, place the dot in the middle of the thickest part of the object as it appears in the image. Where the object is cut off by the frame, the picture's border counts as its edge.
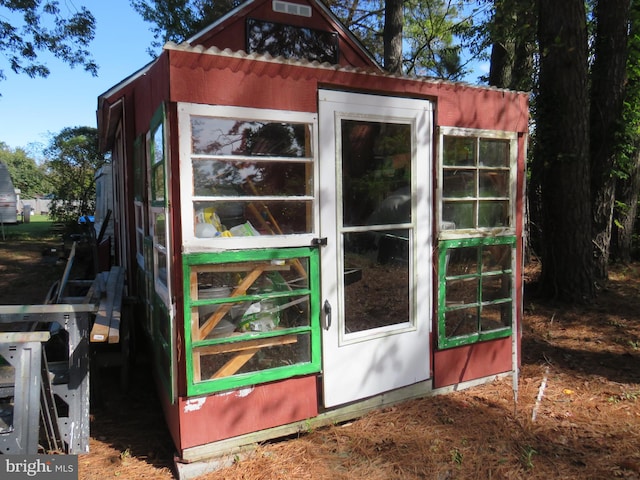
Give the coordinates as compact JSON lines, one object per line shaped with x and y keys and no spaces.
{"x":443,"y":248}
{"x":263,"y":376}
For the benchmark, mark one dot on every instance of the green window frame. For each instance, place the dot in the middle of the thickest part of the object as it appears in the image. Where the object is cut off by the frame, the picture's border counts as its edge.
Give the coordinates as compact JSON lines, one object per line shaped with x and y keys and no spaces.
{"x":229,"y":347}
{"x":476,"y":290}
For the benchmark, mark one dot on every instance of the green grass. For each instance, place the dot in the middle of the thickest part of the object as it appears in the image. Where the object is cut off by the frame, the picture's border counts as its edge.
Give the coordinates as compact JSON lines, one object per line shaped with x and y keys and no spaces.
{"x":39,"y":227}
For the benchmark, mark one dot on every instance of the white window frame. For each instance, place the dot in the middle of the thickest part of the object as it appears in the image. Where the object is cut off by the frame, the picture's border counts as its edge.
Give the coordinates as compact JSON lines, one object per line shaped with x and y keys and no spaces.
{"x":162,"y":290}
{"x":190,"y":242}
{"x":443,"y":232}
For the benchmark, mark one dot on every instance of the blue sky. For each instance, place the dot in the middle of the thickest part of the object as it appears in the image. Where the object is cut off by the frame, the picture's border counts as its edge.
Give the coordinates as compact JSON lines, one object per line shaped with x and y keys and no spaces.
{"x":33,"y":110}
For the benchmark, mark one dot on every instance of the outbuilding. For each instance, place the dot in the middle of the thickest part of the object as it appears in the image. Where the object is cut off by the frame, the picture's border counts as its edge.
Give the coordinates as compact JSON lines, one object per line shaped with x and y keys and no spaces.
{"x":308,"y":236}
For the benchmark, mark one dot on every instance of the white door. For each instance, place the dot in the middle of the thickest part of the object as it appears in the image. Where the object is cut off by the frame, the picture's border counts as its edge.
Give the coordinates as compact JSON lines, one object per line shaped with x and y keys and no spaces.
{"x":375,"y":213}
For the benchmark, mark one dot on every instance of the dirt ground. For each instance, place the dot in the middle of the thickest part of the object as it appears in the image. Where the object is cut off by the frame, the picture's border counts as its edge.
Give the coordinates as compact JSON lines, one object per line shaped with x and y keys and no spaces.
{"x":577,"y":413}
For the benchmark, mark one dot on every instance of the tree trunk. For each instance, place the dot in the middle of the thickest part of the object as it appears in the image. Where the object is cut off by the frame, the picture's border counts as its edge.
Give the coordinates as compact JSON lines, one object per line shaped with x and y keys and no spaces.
{"x":607,"y":93}
{"x":627,"y":196}
{"x":503,"y":45}
{"x":563,"y":151}
{"x":513,"y":44}
{"x":392,"y":35}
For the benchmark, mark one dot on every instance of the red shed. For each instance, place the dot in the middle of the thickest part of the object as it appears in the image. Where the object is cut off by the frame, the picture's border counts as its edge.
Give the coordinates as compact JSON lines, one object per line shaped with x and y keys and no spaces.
{"x":309,"y":236}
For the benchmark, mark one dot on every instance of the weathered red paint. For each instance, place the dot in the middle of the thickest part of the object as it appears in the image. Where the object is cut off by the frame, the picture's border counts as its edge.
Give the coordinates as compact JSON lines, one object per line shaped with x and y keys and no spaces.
{"x":470,"y":362}
{"x":201,"y":420}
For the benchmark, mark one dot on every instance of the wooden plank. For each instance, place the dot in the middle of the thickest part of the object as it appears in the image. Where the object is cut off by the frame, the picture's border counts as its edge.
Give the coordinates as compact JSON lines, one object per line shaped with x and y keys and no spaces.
{"x":116,"y":312}
{"x":41,"y":313}
{"x":24,"y":337}
{"x":246,"y":350}
{"x":248,"y":345}
{"x":240,"y":267}
{"x":241,"y":289}
{"x":100,"y":332}
{"x":235,"y":364}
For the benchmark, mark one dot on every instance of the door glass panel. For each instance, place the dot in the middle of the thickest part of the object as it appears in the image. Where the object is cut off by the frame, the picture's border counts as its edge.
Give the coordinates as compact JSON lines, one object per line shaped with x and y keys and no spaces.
{"x":376,"y":280}
{"x":376,"y":186}
{"x":376,"y":173}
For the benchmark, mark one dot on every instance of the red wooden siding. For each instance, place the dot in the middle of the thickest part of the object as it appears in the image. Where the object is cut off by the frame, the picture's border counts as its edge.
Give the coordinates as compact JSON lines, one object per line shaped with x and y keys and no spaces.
{"x":470,"y":362}
{"x":234,"y":79}
{"x":201,"y":420}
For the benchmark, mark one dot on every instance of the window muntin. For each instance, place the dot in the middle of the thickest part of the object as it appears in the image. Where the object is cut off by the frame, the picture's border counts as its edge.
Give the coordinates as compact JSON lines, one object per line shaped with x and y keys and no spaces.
{"x":251,"y":174}
{"x":289,"y":41}
{"x":476,"y":290}
{"x":250,"y":317}
{"x":477,"y":180}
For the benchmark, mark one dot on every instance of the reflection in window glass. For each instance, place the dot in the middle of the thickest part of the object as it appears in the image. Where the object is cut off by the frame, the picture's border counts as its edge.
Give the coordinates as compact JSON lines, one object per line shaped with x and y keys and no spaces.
{"x":460,"y":151}
{"x":376,"y":279}
{"x":223,"y":136}
{"x":251,"y":178}
{"x":158,"y":146}
{"x":278,"y":39}
{"x":376,"y":173}
{"x":160,"y":247}
{"x":476,"y":189}
{"x":233,"y":178}
{"x":494,"y":153}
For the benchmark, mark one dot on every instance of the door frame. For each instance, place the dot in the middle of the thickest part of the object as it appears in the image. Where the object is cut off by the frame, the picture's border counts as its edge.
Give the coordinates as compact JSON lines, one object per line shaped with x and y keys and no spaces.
{"x":362,"y":364}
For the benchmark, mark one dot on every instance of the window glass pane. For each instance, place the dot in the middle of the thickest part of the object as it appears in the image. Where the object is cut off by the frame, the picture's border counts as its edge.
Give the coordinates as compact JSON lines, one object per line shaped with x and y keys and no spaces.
{"x":223,"y":136}
{"x":496,"y":287}
{"x":459,"y":214}
{"x":493,"y":213}
{"x":496,"y":258}
{"x":461,"y":322}
{"x":494,"y":184}
{"x":459,"y":151}
{"x":376,"y":173}
{"x":158,"y":182}
{"x":462,"y":291}
{"x":494,"y":317}
{"x":223,"y":360}
{"x":161,"y":262}
{"x":250,"y":297}
{"x":462,"y":261}
{"x":159,"y":230}
{"x":278,"y":39}
{"x":226,"y":178}
{"x":376,"y":279}
{"x":158,"y":146}
{"x":252,"y":218}
{"x":459,"y":183}
{"x":494,"y":153}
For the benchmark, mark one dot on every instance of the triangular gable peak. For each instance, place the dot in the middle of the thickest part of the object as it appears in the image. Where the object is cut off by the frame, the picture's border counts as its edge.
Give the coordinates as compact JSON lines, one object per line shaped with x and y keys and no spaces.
{"x":249,"y":26}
